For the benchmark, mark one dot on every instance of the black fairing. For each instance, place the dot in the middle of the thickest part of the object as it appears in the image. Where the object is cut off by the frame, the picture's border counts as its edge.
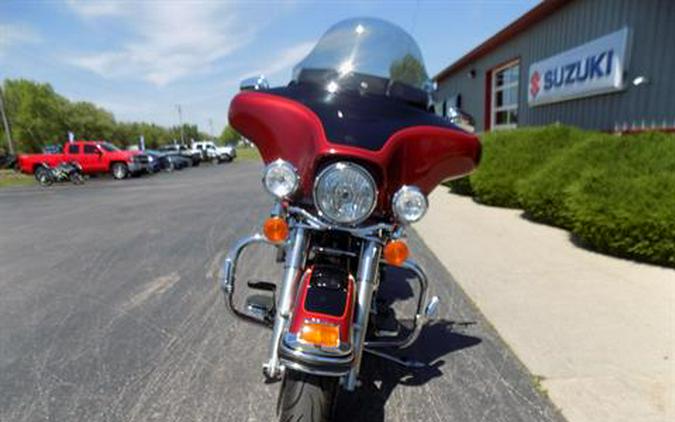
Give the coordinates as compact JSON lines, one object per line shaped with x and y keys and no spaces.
{"x":360,"y":120}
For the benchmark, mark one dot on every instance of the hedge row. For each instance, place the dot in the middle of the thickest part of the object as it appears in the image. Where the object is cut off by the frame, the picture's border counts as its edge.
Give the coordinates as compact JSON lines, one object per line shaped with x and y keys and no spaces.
{"x":615,"y":194}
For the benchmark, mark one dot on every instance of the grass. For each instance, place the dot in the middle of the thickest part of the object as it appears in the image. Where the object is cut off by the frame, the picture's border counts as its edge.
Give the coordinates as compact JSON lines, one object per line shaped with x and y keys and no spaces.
{"x":537,"y":381}
{"x":250,"y":153}
{"x":12,"y":178}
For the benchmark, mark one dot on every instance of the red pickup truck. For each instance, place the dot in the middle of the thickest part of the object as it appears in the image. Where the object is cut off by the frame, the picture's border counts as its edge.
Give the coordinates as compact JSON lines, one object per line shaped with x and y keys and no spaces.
{"x":93,"y":156}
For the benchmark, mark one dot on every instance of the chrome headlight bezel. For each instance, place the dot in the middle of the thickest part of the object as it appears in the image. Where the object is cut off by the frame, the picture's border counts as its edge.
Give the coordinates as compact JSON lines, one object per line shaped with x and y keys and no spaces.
{"x":397,"y":207}
{"x":352,"y":166}
{"x":289,"y":170}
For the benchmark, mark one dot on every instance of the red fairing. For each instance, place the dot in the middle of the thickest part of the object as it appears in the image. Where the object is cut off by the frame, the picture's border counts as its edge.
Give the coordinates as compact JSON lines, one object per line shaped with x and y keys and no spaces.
{"x":343,"y":321}
{"x":422,"y":156}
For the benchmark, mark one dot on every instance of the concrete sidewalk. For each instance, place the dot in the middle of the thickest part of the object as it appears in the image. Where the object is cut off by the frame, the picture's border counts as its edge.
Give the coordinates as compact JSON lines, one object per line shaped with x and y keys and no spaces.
{"x":600,"y":331}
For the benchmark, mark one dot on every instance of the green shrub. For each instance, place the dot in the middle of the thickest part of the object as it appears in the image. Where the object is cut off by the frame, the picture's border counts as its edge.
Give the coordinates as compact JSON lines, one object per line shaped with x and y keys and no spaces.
{"x":460,"y":186}
{"x":616,"y":194}
{"x":544,"y":192}
{"x":509,"y":156}
{"x":625,"y":204}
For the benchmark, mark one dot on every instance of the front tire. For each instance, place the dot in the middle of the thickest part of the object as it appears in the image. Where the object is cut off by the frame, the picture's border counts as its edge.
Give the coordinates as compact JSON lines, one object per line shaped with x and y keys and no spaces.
{"x":44,"y":177}
{"x":306,"y":398}
{"x":119,"y":171}
{"x":77,"y":178}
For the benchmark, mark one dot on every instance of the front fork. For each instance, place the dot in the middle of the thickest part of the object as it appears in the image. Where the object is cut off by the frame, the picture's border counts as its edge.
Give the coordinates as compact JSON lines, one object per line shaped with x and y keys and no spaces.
{"x":294,"y":264}
{"x":366,"y":283}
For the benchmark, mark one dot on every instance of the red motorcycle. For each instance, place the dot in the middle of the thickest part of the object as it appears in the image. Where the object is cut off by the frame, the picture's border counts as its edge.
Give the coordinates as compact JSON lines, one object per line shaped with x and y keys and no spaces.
{"x":352,"y":148}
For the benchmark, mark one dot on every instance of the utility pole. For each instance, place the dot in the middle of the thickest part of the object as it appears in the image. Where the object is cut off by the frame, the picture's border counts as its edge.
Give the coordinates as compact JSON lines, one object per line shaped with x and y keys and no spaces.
{"x":5,"y":122}
{"x":180,"y":121}
{"x":211,"y":126}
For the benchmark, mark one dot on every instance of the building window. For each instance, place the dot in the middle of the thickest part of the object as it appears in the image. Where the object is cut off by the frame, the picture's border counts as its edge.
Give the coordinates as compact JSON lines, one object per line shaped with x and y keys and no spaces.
{"x":504,"y":110}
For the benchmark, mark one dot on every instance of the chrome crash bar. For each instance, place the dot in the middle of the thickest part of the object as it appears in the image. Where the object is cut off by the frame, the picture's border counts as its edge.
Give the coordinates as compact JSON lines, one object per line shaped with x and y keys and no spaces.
{"x":425,"y":311}
{"x":228,"y":271}
{"x":366,"y":283}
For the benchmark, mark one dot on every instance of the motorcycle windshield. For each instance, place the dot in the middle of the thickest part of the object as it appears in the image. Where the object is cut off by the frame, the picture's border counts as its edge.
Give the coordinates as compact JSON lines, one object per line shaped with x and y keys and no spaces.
{"x":364,"y":54}
{"x":359,"y":95}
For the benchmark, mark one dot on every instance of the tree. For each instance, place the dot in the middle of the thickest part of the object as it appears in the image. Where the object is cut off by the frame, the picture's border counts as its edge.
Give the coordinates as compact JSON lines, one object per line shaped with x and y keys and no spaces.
{"x":229,"y":136}
{"x":36,"y":114}
{"x":39,"y":116}
{"x":191,"y":132}
{"x":408,"y":70}
{"x":88,"y":121}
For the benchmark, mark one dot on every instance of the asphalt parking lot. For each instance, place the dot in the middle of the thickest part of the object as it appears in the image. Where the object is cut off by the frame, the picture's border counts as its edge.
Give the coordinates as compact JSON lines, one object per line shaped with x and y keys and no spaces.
{"x":110,"y":311}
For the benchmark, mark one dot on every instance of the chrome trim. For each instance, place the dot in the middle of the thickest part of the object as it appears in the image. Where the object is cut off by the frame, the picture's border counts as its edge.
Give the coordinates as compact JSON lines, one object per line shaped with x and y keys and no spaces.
{"x":366,"y":281}
{"x":420,"y":316}
{"x":398,"y":193}
{"x":255,"y":83}
{"x":330,"y":372}
{"x":359,"y":169}
{"x":333,"y":251}
{"x":310,"y":221}
{"x":431,"y":310}
{"x":292,"y":342}
{"x":295,"y":262}
{"x":314,"y":358}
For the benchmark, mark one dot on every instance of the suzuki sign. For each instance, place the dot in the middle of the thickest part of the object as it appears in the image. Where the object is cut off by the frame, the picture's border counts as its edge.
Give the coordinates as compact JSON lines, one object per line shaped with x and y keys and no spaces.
{"x":596,"y":67}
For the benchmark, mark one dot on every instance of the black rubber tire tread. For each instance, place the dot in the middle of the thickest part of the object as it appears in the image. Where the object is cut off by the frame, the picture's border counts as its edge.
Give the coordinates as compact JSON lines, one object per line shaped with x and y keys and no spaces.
{"x":307,"y":398}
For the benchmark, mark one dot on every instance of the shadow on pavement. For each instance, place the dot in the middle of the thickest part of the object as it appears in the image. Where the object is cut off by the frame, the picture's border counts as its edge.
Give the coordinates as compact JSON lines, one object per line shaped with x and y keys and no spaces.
{"x":381,"y":377}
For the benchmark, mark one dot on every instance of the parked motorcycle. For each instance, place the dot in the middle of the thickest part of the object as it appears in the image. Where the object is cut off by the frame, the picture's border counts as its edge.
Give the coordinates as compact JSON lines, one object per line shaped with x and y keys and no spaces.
{"x":66,"y":171}
{"x":352,"y":149}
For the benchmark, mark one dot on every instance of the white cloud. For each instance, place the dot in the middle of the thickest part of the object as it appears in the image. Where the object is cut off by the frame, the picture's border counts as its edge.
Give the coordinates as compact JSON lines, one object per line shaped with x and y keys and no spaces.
{"x":284,"y":61}
{"x":92,"y":9}
{"x":171,"y":40}
{"x":15,"y":34}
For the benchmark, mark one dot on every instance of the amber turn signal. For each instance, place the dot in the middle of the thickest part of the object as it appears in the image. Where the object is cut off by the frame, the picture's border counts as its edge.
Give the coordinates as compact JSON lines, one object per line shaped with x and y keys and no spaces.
{"x":396,"y":252}
{"x":323,"y":335}
{"x":275,"y":229}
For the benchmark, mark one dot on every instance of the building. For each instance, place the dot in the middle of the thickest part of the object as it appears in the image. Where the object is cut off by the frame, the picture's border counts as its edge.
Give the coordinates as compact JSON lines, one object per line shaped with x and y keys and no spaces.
{"x":597,"y":64}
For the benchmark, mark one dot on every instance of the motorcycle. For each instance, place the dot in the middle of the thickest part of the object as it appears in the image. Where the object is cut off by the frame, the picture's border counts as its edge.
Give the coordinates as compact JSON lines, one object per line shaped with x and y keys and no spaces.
{"x":66,"y":171}
{"x":352,"y":148}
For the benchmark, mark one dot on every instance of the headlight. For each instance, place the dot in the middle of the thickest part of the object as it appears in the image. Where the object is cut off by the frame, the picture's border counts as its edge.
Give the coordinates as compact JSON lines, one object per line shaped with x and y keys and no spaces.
{"x":151,"y":158}
{"x":345,"y":193}
{"x":409,"y":204}
{"x":280,"y":179}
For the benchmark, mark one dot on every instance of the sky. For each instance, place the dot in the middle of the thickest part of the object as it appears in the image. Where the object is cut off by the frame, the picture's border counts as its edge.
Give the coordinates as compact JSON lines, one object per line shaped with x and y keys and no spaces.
{"x":139,"y":59}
